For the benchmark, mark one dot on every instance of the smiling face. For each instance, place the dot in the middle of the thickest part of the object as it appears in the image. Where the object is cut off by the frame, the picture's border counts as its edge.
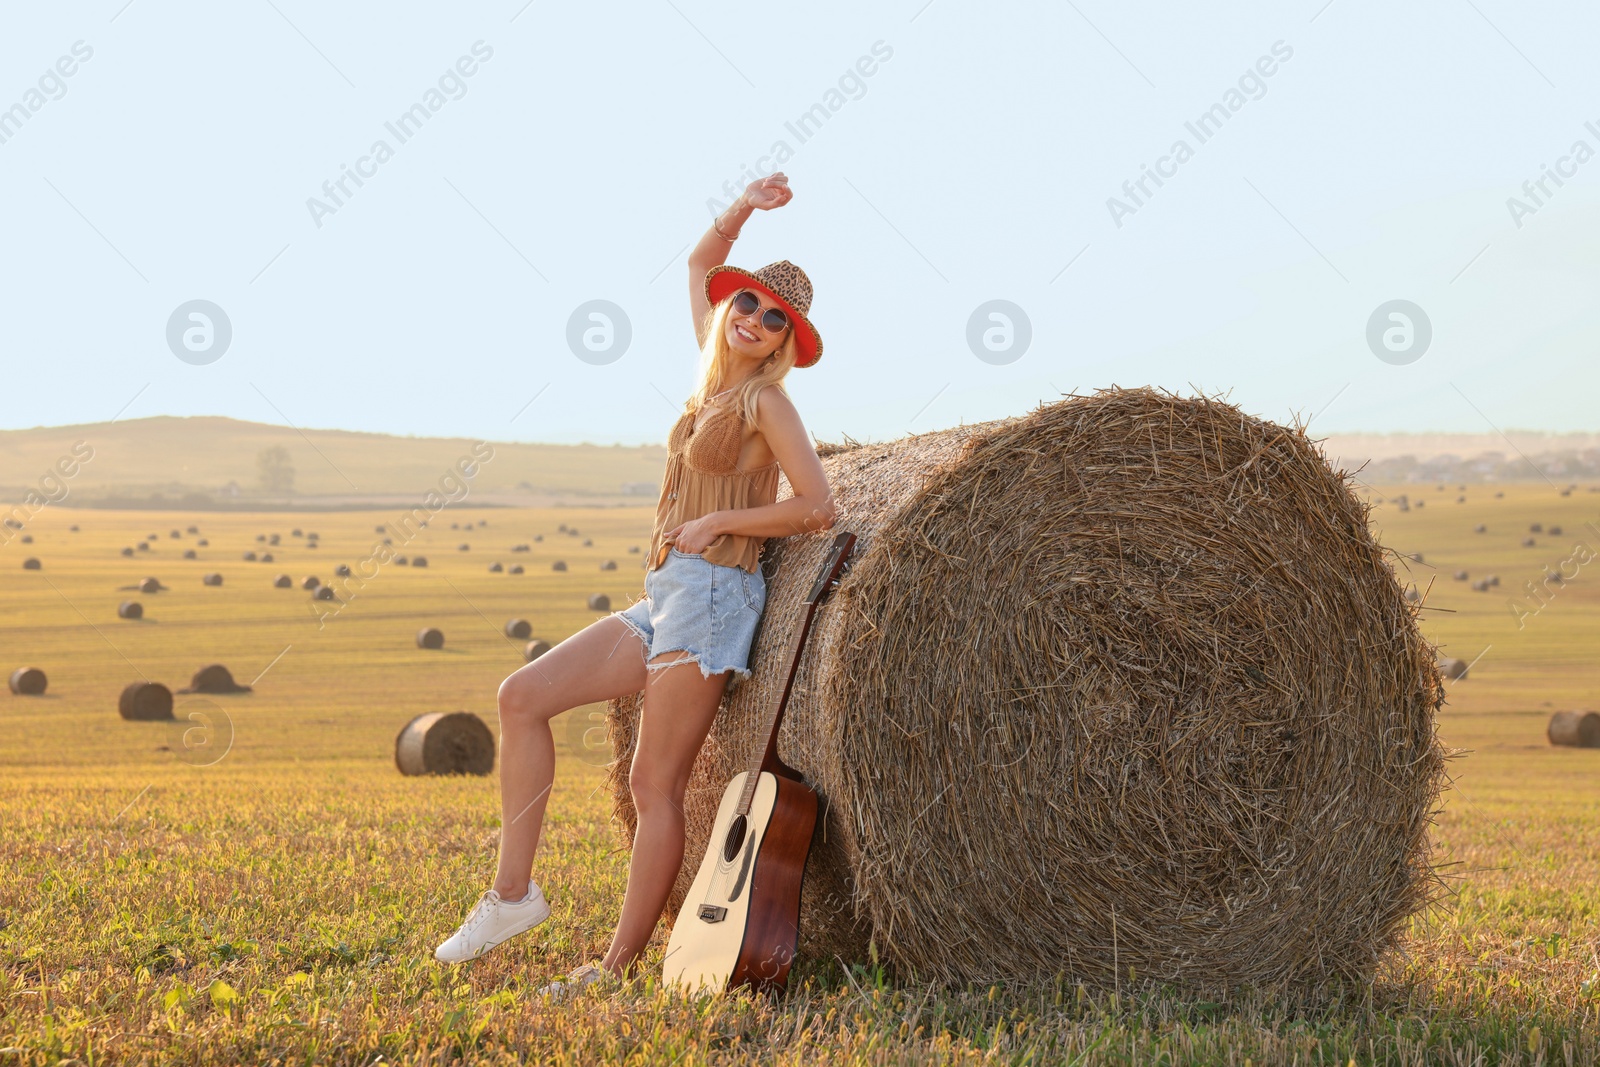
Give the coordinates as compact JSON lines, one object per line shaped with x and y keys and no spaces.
{"x":746,"y":335}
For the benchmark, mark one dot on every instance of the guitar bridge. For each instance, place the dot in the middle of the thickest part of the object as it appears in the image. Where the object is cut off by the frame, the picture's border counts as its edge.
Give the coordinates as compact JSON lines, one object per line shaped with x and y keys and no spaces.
{"x":712,"y":913}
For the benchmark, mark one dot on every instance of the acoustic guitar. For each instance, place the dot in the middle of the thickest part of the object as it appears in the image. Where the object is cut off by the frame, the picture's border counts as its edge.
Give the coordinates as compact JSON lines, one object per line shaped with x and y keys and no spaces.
{"x":741,"y":919}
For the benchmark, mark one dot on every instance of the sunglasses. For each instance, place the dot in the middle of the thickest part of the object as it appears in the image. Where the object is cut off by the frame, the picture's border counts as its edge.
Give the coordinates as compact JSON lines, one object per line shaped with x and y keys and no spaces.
{"x":773,"y":320}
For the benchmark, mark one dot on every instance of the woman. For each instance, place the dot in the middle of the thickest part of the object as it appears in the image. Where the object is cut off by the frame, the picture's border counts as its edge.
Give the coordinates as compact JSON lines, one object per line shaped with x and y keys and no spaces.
{"x":704,"y":595}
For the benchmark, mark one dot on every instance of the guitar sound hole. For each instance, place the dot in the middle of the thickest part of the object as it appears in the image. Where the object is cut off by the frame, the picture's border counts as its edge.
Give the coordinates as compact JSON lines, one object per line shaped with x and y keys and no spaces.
{"x":730,"y":847}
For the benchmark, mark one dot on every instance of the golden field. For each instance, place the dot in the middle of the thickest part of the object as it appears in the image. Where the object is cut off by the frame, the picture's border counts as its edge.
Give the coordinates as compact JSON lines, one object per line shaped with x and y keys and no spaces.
{"x":269,"y":889}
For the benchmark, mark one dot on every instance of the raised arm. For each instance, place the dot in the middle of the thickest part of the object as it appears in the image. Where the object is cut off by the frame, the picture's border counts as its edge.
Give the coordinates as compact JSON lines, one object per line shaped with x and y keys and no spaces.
{"x":763,"y":194}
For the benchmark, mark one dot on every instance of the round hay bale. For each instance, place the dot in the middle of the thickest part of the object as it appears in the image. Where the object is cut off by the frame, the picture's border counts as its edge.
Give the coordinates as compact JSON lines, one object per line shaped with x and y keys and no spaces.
{"x":283,"y":581}
{"x":261,"y":537}
{"x":274,"y":539}
{"x":203,"y":543}
{"x":419,"y":561}
{"x":28,"y":682}
{"x":633,"y":550}
{"x":1480,"y":528}
{"x":143,"y":546}
{"x":1581,"y":729}
{"x":128,"y":551}
{"x":1452,"y":669}
{"x":1528,"y":542}
{"x":310,"y":581}
{"x":1461,"y":576}
{"x":496,"y":568}
{"x":1413,"y":594}
{"x":313,"y":544}
{"x":190,"y":553}
{"x":149,"y":585}
{"x":1122,"y":683}
{"x":463,"y":548}
{"x":214,"y":678}
{"x":609,"y":565}
{"x":1555,"y":531}
{"x":599,"y":602}
{"x":296,"y":532}
{"x":538,"y":537}
{"x":588,"y":542}
{"x":213,"y":578}
{"x":192,"y":529}
{"x":27,"y":539}
{"x":430,"y":637}
{"x":324,"y":592}
{"x":1536,"y":528}
{"x":130,"y":609}
{"x":342,"y":570}
{"x":516,"y":568}
{"x":559,"y":565}
{"x":266,"y":557}
{"x":73,"y":527}
{"x":32,"y":564}
{"x":1480,"y":586}
{"x":250,"y":557}
{"x":436,"y":743}
{"x":561,"y":528}
{"x":1493,"y":579}
{"x":535,"y":648}
{"x":312,"y":535}
{"x":380,"y":529}
{"x":145,"y":702}
{"x":401,"y":561}
{"x":521,"y":629}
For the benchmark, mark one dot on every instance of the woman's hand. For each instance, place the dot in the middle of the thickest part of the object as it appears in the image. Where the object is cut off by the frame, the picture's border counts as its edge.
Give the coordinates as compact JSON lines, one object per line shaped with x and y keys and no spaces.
{"x":769,"y":192}
{"x":695,"y":535}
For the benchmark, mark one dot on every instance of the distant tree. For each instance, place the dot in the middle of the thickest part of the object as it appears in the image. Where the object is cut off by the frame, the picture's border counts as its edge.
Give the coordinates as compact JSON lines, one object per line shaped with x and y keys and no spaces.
{"x":276,"y":469}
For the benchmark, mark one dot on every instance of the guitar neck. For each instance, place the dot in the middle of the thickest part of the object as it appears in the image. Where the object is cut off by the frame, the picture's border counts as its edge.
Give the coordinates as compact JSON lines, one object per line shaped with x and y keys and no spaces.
{"x":827,"y":578}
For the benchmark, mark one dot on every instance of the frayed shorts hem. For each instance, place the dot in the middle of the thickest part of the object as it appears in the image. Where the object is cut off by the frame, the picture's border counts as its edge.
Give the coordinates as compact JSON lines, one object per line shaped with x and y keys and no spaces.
{"x":740,"y":674}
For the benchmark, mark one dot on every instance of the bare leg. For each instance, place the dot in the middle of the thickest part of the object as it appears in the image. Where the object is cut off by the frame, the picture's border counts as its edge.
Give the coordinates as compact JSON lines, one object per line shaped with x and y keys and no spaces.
{"x":602,"y":661}
{"x":679,"y":705}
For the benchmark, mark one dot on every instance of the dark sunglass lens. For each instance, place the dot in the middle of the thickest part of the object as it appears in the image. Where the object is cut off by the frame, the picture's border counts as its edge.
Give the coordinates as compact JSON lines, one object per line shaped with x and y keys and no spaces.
{"x":775,"y":320}
{"x":745,"y":302}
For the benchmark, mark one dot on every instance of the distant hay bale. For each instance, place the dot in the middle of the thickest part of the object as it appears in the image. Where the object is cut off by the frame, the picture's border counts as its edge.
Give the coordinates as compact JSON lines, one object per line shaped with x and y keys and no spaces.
{"x":310,"y":581}
{"x":203,"y":543}
{"x":324,"y":592}
{"x":1536,"y":528}
{"x":521,"y":629}
{"x":538,"y":537}
{"x":313,"y":544}
{"x":463,"y":547}
{"x":143,"y":546}
{"x":28,"y":682}
{"x":274,"y":539}
{"x":130,"y":609}
{"x":1413,"y":594}
{"x":1555,"y":531}
{"x":1493,"y":579}
{"x":266,"y":557}
{"x":430,"y":637}
{"x":436,"y":743}
{"x":150,"y":585}
{"x":73,"y":527}
{"x":190,"y":553}
{"x":380,"y":529}
{"x":283,"y":581}
{"x":1452,"y":669}
{"x":1124,"y":684}
{"x":250,"y":557}
{"x":214,"y":678}
{"x":32,"y":564}
{"x":401,"y":561}
{"x":1461,"y":576}
{"x":1580,"y":729}
{"x":419,"y":561}
{"x":213,"y":578}
{"x":588,"y":542}
{"x":633,"y":550}
{"x":496,"y":568}
{"x":535,"y":648}
{"x":559,"y":565}
{"x":261,"y":537}
{"x":27,"y":539}
{"x":342,"y":570}
{"x":296,"y":532}
{"x":599,"y":602}
{"x":609,"y":565}
{"x":128,"y":551}
{"x":312,"y":535}
{"x":521,"y":548}
{"x":516,"y":568}
{"x":192,"y":529}
{"x":145,"y":702}
{"x":1480,"y":528}
{"x":1481,"y":585}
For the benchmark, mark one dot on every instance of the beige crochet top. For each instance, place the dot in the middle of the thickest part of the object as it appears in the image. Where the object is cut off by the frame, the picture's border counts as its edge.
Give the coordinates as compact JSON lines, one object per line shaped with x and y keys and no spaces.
{"x":703,"y":476}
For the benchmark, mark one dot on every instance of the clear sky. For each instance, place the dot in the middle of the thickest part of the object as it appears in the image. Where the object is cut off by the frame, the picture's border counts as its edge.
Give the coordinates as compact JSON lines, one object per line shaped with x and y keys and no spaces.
{"x":1355,"y":153}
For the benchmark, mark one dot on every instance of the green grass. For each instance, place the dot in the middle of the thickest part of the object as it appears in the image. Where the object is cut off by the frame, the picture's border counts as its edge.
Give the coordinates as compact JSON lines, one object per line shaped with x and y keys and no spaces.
{"x":272,"y":891}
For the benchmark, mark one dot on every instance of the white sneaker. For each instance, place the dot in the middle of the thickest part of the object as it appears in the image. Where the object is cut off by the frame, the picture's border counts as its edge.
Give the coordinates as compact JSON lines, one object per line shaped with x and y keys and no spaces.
{"x":493,"y":920}
{"x":580,"y":978}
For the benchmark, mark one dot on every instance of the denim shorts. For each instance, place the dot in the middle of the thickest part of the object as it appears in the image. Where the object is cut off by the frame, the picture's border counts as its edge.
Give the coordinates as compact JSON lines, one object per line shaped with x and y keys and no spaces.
{"x":706,"y":610}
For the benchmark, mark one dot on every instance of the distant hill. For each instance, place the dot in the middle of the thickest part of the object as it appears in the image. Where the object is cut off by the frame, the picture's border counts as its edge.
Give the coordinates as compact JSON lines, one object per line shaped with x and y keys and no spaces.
{"x":209,"y":461}
{"x":1521,"y":455}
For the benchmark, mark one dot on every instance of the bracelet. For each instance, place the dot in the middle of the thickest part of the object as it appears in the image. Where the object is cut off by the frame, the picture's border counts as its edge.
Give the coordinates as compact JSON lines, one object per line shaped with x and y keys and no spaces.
{"x":718,"y":230}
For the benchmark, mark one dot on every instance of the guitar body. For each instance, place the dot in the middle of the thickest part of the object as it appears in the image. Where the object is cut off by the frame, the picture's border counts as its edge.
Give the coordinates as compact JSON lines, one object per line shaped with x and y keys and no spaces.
{"x":741,"y":919}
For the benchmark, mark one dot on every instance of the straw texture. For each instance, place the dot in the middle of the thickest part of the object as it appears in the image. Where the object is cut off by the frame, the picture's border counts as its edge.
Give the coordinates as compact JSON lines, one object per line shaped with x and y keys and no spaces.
{"x":1120,"y":687}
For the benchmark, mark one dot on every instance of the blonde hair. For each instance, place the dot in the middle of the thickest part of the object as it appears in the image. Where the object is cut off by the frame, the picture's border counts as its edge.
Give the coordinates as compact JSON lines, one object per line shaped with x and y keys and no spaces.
{"x":717,"y":363}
